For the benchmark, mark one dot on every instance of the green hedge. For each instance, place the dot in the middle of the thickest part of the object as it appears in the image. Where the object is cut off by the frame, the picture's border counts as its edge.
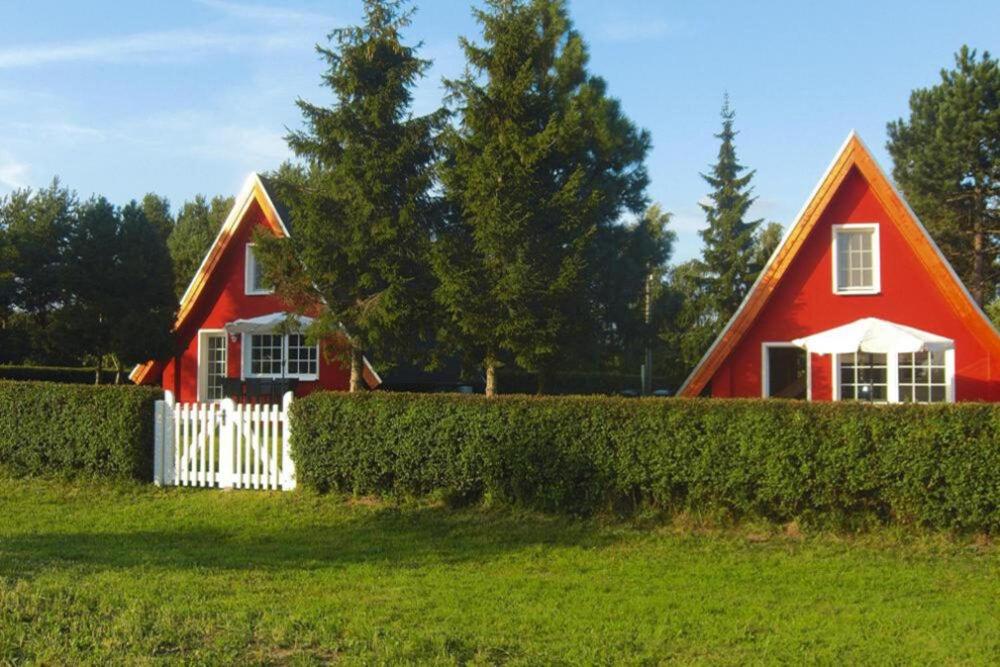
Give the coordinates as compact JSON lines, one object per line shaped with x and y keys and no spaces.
{"x":65,"y":374}
{"x":573,"y":382}
{"x":937,"y":466}
{"x":76,"y":430}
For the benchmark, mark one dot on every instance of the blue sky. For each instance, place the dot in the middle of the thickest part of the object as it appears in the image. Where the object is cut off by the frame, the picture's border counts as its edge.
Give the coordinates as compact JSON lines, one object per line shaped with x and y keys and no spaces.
{"x":188,"y":96}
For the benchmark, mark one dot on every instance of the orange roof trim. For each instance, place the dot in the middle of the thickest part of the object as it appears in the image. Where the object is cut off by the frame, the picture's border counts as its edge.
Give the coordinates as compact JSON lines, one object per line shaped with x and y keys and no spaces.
{"x":853,"y":154}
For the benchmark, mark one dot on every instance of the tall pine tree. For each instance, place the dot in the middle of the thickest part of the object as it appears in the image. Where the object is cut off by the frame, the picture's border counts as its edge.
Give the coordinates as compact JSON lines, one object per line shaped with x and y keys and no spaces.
{"x":361,"y":207}
{"x":198,"y":223}
{"x":729,"y":261}
{"x":540,"y":161}
{"x":946,"y":158}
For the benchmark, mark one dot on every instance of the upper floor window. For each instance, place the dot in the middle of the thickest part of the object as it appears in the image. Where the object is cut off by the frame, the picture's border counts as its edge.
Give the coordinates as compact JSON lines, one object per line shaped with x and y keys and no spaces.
{"x":856,"y":267}
{"x":254,"y":279}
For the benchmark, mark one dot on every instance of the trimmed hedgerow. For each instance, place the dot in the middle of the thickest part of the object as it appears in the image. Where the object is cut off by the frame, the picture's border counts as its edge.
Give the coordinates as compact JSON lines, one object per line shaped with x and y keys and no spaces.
{"x":76,"y":430}
{"x":937,"y":466}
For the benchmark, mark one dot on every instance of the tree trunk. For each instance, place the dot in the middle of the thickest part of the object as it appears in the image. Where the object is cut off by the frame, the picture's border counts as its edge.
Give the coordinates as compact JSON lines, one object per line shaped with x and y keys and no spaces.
{"x":491,"y":377}
{"x":118,"y":371}
{"x":97,"y":372}
{"x":357,"y":370}
{"x":543,"y":381}
{"x":979,"y":266}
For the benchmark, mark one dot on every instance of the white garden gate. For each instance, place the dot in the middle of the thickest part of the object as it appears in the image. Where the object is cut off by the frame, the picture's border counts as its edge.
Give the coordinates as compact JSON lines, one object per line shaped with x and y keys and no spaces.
{"x":224,"y":444}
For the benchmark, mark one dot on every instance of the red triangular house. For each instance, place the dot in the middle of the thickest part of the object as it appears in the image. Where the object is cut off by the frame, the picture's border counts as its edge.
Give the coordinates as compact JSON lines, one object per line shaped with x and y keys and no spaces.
{"x":230,"y":327}
{"x":856,"y":255}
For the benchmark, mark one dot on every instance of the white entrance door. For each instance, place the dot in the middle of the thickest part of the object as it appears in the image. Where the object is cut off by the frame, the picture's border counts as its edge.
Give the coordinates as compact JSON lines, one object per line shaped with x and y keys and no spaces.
{"x":212,"y":360}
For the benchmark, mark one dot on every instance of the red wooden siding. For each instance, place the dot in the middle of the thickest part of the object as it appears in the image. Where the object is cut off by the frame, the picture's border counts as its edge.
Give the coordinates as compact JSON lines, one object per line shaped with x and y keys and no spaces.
{"x":803,"y":303}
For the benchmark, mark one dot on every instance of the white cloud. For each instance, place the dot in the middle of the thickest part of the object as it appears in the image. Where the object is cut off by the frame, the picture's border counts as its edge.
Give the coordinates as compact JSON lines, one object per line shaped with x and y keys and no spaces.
{"x":636,"y":30}
{"x":13,"y":174}
{"x":161,"y":45}
{"x":266,"y":14}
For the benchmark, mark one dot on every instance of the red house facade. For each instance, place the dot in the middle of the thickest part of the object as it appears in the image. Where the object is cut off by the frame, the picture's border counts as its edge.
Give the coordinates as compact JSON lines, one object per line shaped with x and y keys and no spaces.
{"x":857,"y":259}
{"x":229,"y":326}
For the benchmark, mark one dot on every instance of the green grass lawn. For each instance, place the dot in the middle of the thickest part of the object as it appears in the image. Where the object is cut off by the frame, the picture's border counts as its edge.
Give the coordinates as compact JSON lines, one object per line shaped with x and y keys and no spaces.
{"x":135,"y":574}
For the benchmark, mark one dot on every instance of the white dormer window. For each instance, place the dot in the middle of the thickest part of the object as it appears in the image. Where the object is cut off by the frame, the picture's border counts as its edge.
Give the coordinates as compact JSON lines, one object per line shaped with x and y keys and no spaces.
{"x":254,"y":279}
{"x":856,"y":265}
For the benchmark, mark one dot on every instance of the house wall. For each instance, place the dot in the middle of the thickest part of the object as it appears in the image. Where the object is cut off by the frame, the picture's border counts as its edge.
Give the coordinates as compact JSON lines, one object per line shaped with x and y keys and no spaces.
{"x":224,"y":300}
{"x":803,"y":303}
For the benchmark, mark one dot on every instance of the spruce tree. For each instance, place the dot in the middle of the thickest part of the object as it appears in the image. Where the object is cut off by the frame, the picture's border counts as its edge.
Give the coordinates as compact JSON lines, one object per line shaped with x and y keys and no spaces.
{"x":540,"y":162}
{"x":729,"y":261}
{"x":198,"y":223}
{"x":157,"y":212}
{"x":361,"y":205}
{"x":946,"y":159}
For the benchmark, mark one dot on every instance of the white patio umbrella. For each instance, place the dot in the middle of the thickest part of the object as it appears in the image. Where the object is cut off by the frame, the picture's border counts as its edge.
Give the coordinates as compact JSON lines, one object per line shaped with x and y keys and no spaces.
{"x":875,"y":336}
{"x":264,"y":323}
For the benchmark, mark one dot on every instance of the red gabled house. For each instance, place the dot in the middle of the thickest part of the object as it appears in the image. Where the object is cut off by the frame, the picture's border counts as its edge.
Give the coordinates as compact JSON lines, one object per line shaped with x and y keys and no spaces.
{"x":857,"y":302}
{"x":232,"y":327}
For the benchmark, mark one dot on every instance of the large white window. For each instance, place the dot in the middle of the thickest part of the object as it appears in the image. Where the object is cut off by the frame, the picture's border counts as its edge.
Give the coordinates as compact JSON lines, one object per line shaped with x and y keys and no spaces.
{"x":856,"y":266}
{"x":254,"y":278}
{"x":923,"y":377}
{"x":864,"y":377}
{"x":279,"y":356}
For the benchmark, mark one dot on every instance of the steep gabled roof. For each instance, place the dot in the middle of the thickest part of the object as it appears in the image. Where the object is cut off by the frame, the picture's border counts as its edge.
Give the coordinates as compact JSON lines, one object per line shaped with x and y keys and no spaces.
{"x":255,"y":189}
{"x":853,"y":154}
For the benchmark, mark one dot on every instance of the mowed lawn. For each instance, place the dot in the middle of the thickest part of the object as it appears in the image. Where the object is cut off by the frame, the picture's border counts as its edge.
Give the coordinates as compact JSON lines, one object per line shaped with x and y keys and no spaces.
{"x":134,"y":574}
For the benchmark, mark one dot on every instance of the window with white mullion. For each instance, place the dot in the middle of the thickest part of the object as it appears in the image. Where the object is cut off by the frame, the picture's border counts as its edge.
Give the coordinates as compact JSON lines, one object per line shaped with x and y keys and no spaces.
{"x":280,"y":356}
{"x":856,"y":259}
{"x":923,"y":377}
{"x":266,"y":355}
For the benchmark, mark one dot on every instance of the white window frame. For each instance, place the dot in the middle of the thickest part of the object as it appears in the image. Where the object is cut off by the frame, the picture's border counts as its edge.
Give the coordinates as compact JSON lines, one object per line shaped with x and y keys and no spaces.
{"x":245,"y":372}
{"x":202,"y":389}
{"x":876,"y":287}
{"x":892,"y":369}
{"x":765,"y":367}
{"x":249,"y":262}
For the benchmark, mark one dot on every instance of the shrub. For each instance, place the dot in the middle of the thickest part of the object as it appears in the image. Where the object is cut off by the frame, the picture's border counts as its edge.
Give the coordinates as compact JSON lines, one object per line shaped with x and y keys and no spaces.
{"x":76,"y":430}
{"x":937,"y":466}
{"x":66,"y":374}
{"x":574,"y":382}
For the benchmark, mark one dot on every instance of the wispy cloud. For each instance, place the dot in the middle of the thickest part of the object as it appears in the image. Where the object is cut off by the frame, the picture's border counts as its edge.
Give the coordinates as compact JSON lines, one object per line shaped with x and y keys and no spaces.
{"x":637,"y":30}
{"x":266,"y":14}
{"x":13,"y":174}
{"x":159,"y":45}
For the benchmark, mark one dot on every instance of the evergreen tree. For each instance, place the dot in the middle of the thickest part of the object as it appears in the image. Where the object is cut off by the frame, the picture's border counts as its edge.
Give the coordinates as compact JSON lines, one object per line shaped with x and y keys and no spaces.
{"x":361,"y":207}
{"x":157,"y":212}
{"x":198,"y":223}
{"x":34,"y":225}
{"x":729,"y":260}
{"x":116,"y":301}
{"x":541,"y":162}
{"x":947,"y":162}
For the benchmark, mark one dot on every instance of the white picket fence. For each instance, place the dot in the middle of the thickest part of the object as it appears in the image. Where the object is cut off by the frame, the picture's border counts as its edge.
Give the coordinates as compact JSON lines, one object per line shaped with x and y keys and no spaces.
{"x":224,"y":445}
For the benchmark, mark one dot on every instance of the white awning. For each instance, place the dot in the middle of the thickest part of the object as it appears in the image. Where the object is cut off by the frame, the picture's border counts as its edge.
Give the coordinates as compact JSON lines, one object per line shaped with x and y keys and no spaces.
{"x":267,"y":324}
{"x":874,"y":336}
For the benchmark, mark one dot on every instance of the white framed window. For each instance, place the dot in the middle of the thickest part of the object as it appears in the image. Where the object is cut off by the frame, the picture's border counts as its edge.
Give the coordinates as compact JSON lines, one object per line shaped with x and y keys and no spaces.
{"x":279,"y":356}
{"x":863,"y":377}
{"x":923,"y":377}
{"x":303,"y":359}
{"x":253,"y":279}
{"x":856,"y":259}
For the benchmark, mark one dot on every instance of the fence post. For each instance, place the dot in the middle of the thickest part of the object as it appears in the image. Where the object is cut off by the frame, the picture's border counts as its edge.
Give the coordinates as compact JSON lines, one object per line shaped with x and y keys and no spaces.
{"x":227,"y":473}
{"x":158,"y":409}
{"x":166,"y":454}
{"x":287,"y":465}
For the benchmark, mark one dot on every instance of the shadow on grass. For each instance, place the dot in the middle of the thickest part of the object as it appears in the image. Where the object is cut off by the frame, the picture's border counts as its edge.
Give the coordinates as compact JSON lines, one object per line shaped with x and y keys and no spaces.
{"x":407,"y":538}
